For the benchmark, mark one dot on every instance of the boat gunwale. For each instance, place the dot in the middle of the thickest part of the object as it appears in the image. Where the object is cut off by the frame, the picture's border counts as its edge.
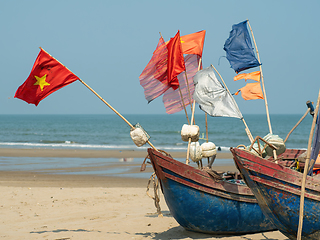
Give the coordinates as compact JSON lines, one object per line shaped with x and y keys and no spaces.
{"x":202,"y":180}
{"x":282,"y":173}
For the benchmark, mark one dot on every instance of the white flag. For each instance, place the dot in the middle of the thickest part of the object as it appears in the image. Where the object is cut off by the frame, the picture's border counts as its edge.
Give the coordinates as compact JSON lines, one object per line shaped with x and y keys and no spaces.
{"x":212,"y":97}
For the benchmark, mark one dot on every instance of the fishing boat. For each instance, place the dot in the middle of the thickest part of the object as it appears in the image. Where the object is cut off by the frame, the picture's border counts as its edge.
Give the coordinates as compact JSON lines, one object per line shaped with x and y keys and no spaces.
{"x":277,"y":187}
{"x":200,"y":199}
{"x":207,"y":201}
{"x":285,"y":185}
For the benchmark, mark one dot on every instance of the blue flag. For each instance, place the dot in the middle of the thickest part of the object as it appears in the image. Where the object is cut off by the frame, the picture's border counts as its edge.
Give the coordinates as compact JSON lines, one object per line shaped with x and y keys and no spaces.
{"x":239,"y":48}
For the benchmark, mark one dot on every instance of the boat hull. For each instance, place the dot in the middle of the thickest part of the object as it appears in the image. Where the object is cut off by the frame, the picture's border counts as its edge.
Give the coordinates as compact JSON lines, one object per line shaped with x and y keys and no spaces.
{"x":278,"y":189}
{"x":202,"y":204}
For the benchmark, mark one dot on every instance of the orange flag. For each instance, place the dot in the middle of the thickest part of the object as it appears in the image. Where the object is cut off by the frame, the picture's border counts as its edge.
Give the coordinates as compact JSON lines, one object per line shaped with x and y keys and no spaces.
{"x":251,"y":91}
{"x":254,"y":76}
{"x":47,"y":76}
{"x":193,"y":43}
{"x":175,"y":61}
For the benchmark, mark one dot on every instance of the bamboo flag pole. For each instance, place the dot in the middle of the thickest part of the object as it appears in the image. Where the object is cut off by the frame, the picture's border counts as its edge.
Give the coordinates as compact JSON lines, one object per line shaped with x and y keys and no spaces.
{"x":262,"y":79}
{"x":244,"y":122}
{"x":151,"y":145}
{"x":192,"y":120}
{"x":295,"y":126}
{"x":190,"y":99}
{"x":264,"y":90}
{"x":305,"y":171}
{"x":103,"y":100}
{"x":189,"y":141}
{"x":207,"y":134}
{"x":184,"y":106}
{"x":181,"y":96}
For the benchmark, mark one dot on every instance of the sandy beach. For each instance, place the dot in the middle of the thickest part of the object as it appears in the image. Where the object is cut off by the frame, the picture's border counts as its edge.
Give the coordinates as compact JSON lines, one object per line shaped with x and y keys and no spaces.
{"x":71,"y":206}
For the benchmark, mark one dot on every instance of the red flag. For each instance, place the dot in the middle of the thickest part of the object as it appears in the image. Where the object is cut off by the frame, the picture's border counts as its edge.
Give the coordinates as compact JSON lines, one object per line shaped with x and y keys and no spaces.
{"x":172,"y":99}
{"x":193,"y":43}
{"x":47,"y":76}
{"x":175,"y":61}
{"x":154,"y":76}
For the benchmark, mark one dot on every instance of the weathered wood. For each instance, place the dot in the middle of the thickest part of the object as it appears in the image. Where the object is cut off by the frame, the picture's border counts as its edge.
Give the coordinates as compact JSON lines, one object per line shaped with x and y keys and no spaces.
{"x":205,"y":204}
{"x":297,"y":124}
{"x":278,"y":192}
{"x":305,"y":172}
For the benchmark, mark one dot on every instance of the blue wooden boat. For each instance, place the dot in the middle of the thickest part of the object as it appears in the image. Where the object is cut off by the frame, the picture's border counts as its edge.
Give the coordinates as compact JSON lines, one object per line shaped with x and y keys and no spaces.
{"x":201,"y":202}
{"x":277,"y":187}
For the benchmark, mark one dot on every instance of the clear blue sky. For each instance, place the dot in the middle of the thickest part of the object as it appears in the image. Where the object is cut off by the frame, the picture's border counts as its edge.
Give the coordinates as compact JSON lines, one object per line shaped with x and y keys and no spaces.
{"x":108,"y":44}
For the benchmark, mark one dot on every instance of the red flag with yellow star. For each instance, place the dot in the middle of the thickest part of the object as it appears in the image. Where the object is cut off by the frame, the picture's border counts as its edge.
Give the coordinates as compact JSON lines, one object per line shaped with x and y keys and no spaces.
{"x":47,"y":76}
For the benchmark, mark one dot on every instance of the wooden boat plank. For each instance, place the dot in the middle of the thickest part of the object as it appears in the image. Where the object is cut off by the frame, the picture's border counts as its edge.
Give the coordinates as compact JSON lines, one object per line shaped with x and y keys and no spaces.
{"x":201,"y":177}
{"x":281,"y":173}
{"x":228,"y":195}
{"x":279,"y":199}
{"x":202,"y":207}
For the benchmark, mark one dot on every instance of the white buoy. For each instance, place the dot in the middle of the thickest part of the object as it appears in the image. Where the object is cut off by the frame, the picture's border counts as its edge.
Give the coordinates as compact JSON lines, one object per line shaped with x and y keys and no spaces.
{"x":208,"y":149}
{"x":195,"y":151}
{"x":190,"y":131}
{"x":138,"y":137}
{"x":277,"y":142}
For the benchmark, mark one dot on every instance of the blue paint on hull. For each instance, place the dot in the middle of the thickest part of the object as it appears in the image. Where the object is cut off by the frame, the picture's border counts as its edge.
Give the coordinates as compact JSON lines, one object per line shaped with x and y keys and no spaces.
{"x":203,"y":212}
{"x":284,"y":208}
{"x":277,"y":201}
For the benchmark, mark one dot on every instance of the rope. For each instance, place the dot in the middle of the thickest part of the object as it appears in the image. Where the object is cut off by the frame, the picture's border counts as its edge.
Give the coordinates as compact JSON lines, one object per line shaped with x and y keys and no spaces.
{"x":155,"y":181}
{"x":216,"y":177}
{"x":156,"y":195}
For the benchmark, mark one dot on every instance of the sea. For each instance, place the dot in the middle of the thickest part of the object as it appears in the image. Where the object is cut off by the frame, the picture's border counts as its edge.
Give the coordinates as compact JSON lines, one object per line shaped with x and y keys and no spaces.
{"x":103,"y":132}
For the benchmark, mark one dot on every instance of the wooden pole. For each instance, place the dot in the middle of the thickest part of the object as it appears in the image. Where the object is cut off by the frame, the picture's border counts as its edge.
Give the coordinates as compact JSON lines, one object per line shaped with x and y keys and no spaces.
{"x":185,"y":73}
{"x":305,"y":171}
{"x":207,"y":134}
{"x":264,"y":90}
{"x":181,"y":96}
{"x":296,"y":125}
{"x":102,"y":100}
{"x":184,"y":106}
{"x":187,"y":81}
{"x":189,"y":141}
{"x":262,"y":79}
{"x":244,"y":122}
{"x":192,"y":120}
{"x":113,"y":110}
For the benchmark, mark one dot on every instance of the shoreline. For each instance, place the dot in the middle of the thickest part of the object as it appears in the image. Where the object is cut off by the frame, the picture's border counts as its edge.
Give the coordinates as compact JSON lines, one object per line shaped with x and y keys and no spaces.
{"x":36,"y":179}
{"x":47,"y":205}
{"x":100,"y":174}
{"x":85,"y":153}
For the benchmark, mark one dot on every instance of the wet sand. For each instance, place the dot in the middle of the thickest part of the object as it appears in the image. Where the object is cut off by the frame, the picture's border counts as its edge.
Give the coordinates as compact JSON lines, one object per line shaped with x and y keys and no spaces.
{"x":49,"y":206}
{"x":16,"y":152}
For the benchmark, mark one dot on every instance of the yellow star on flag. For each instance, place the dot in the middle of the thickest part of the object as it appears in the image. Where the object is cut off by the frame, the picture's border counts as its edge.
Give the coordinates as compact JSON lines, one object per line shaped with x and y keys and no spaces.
{"x":41,"y":81}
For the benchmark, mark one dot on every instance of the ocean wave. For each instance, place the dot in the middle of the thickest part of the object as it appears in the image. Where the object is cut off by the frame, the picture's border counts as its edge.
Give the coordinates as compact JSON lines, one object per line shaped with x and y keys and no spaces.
{"x":66,"y":144}
{"x":71,"y":145}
